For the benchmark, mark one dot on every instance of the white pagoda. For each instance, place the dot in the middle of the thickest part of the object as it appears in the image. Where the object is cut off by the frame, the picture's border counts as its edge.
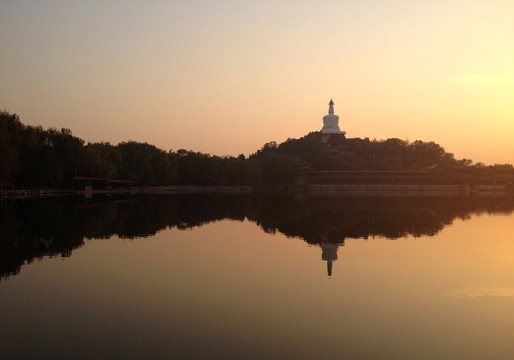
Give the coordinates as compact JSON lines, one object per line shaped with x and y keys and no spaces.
{"x":331,"y":121}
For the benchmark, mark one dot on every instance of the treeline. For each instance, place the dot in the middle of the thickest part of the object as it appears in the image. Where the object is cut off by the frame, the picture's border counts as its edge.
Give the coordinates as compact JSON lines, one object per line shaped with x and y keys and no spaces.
{"x":33,"y":157}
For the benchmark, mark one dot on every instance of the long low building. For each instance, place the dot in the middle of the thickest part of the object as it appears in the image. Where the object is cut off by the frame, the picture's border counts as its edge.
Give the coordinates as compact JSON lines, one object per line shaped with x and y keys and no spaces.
{"x":452,"y":182}
{"x":443,"y":177}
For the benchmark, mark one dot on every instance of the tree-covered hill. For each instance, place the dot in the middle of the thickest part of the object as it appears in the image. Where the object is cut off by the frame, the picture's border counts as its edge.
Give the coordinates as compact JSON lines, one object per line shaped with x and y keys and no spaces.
{"x":335,"y":152}
{"x":33,"y":157}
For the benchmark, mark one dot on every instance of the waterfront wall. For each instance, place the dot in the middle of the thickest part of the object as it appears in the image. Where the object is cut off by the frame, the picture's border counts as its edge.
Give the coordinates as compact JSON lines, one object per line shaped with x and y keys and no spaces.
{"x":405,"y":190}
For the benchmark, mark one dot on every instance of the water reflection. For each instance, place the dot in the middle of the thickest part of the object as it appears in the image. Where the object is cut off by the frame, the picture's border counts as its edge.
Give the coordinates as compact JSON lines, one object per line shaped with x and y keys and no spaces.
{"x":31,"y":229}
{"x":329,"y":254}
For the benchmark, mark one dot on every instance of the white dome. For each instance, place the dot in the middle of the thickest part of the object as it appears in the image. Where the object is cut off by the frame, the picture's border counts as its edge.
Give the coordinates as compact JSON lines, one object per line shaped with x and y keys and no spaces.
{"x":331,"y":122}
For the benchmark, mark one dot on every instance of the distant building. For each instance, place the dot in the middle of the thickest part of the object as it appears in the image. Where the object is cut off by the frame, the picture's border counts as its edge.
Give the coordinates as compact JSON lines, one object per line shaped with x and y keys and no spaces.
{"x":331,"y":121}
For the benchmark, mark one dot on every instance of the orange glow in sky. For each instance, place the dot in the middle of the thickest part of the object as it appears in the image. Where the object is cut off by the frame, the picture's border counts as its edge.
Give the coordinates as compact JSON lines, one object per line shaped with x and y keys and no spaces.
{"x":225,"y":77}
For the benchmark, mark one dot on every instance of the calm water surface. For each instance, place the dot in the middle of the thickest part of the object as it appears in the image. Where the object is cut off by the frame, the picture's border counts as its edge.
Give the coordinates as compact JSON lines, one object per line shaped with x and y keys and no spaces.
{"x":241,"y":277}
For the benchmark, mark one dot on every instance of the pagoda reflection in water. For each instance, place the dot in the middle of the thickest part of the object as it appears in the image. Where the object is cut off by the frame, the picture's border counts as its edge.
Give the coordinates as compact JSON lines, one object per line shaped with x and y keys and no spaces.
{"x":329,"y":254}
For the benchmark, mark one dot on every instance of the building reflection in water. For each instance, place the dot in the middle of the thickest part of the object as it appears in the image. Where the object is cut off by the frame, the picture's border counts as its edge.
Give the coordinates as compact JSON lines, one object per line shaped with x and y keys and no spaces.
{"x":329,"y":254}
{"x":329,"y":249}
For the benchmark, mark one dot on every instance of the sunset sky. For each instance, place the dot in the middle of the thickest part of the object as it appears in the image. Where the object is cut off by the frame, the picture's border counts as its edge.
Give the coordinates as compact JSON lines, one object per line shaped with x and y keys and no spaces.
{"x":225,"y":77}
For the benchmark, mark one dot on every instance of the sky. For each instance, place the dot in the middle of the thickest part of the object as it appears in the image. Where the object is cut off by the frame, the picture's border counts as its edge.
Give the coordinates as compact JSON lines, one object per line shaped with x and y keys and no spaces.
{"x":225,"y":77}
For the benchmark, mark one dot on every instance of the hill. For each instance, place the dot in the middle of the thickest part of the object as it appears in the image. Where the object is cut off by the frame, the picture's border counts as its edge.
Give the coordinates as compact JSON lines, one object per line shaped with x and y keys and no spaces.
{"x":337,"y":153}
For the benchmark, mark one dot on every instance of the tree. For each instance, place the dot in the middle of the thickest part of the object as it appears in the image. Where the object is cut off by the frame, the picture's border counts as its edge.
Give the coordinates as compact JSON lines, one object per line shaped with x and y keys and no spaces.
{"x":11,"y":137}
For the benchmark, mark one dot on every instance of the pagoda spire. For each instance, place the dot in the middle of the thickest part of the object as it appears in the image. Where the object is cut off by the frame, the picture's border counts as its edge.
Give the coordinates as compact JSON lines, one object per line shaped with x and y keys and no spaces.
{"x":331,"y":107}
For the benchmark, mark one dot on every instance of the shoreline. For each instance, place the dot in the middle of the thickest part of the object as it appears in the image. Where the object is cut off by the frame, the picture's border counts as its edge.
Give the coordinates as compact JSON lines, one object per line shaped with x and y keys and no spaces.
{"x":412,"y":191}
{"x":174,"y":189}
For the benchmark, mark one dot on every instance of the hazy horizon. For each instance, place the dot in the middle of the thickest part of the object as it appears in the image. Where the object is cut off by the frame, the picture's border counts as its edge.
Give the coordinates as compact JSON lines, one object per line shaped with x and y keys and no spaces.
{"x":226,"y":77}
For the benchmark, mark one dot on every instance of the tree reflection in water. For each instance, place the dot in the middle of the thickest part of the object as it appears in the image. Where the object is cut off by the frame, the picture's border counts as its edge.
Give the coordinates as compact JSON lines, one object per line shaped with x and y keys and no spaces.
{"x":33,"y":228}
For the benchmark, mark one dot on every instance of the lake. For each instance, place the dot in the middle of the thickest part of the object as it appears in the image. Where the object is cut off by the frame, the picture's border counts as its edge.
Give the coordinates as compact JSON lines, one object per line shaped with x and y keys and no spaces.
{"x":259,"y":276}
